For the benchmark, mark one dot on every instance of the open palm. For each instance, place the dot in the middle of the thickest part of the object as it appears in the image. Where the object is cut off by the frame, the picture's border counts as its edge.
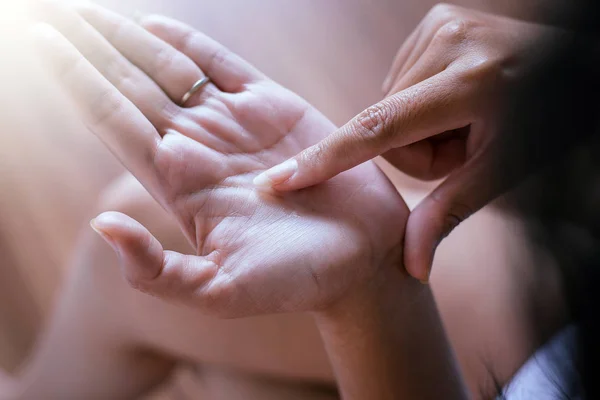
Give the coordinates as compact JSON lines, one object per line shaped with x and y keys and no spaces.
{"x":257,"y":251}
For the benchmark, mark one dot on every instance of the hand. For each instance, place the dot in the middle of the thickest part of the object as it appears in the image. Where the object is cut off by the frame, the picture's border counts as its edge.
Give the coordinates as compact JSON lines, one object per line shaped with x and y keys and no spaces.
{"x":258,"y":251}
{"x":439,"y":120}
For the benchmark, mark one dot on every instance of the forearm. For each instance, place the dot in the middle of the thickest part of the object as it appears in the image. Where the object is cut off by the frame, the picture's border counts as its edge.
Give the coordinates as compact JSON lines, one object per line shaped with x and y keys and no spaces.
{"x":388,"y":343}
{"x":87,"y":351}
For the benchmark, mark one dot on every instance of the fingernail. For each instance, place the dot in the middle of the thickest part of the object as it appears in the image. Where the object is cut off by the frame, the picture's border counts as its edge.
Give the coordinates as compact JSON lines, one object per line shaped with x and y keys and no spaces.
{"x":137,"y":17}
{"x":277,"y":175}
{"x":107,"y":238}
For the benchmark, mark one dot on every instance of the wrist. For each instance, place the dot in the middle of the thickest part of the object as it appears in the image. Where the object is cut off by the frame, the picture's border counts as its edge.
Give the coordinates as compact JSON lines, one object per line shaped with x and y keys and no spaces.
{"x":385,"y":340}
{"x":364,"y":302}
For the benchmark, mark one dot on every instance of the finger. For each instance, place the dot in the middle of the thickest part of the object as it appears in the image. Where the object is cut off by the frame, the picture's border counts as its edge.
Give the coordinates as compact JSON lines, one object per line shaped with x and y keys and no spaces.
{"x":464,"y":192}
{"x":437,"y":26}
{"x":126,"y":77}
{"x":435,"y":105}
{"x":434,"y":157}
{"x":435,"y":59}
{"x":148,"y":267}
{"x":429,"y":159}
{"x":172,"y":70}
{"x":401,"y":56}
{"x":429,"y":31}
{"x":229,"y":71}
{"x":111,"y":116}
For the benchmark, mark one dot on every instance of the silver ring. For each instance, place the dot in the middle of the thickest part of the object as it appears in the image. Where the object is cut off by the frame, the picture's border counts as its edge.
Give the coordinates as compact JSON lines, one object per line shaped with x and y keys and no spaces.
{"x":197,"y":86}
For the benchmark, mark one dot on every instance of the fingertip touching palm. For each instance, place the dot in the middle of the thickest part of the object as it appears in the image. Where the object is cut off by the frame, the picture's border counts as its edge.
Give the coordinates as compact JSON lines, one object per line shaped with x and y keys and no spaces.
{"x":258,"y":251}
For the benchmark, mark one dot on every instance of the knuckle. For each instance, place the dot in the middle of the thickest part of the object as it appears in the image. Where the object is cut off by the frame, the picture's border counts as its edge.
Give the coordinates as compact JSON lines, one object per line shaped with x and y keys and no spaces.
{"x":118,"y":72}
{"x":69,"y":68}
{"x":454,"y":32}
{"x":115,"y":69}
{"x":106,"y":105}
{"x":116,"y":31}
{"x":457,"y":214}
{"x":454,"y":214}
{"x":315,"y":155}
{"x":186,"y":43}
{"x":163,"y":60}
{"x":372,"y":123}
{"x":217,"y":59}
{"x":481,"y":68}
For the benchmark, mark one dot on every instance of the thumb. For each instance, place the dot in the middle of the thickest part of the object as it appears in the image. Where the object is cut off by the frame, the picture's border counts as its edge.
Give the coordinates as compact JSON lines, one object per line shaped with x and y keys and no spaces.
{"x":428,"y":108}
{"x":463,"y":193}
{"x":147,"y":267}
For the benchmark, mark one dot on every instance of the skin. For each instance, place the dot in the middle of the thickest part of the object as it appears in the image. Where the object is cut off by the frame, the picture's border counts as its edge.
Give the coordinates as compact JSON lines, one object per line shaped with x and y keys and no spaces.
{"x":278,"y":356}
{"x":245,"y":122}
{"x":167,"y":344}
{"x":439,"y":119}
{"x":123,"y":344}
{"x":337,"y":245}
{"x":251,"y":125}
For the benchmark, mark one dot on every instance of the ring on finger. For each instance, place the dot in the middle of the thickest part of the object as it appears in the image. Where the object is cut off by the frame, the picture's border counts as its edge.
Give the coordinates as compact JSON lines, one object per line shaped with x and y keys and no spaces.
{"x":195,"y":88}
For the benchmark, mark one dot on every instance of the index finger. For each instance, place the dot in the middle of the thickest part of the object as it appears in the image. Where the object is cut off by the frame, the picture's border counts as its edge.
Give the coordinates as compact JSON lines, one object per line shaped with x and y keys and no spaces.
{"x":438,"y":104}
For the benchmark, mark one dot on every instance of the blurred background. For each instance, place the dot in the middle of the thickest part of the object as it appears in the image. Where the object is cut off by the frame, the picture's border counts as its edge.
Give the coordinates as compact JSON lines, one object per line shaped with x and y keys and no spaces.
{"x":335,"y":53}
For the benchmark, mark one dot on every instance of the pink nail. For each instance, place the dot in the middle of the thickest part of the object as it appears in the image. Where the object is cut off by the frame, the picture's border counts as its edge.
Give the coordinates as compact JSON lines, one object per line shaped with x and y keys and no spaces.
{"x":277,"y":175}
{"x":107,"y":238}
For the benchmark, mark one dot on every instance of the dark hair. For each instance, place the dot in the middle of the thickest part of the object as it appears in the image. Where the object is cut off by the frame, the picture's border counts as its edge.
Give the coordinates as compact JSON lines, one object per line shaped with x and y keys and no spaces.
{"x":550,"y":128}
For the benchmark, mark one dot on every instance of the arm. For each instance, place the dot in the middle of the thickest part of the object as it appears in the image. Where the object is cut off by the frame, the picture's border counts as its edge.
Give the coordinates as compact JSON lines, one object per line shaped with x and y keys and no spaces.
{"x":441,"y":119}
{"x":88,"y":350}
{"x":256,"y":252}
{"x":387,"y":342}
